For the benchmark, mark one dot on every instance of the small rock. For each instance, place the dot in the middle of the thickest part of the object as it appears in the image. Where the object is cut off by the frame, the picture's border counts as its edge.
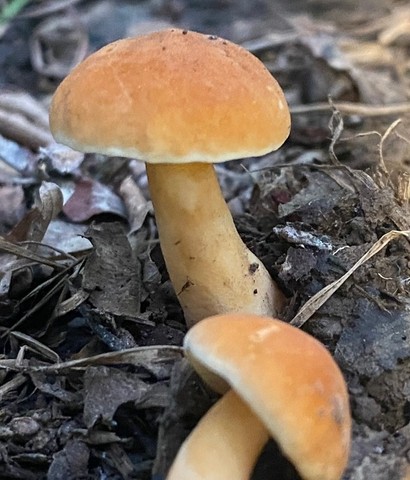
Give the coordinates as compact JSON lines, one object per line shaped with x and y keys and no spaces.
{"x":24,"y":427}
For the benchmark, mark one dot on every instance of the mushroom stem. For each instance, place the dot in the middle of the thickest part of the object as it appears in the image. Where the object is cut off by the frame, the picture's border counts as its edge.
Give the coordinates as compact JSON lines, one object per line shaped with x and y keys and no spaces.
{"x":225,"y":444}
{"x":211,"y":269}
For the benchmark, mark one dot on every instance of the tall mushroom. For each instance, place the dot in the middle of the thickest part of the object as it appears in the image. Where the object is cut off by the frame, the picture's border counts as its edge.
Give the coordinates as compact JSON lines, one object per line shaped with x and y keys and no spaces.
{"x":277,"y":381}
{"x":181,"y":101}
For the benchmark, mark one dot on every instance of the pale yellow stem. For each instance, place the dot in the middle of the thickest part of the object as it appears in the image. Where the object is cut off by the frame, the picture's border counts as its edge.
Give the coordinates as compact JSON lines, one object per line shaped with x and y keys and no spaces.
{"x":225,"y":444}
{"x":211,"y":269}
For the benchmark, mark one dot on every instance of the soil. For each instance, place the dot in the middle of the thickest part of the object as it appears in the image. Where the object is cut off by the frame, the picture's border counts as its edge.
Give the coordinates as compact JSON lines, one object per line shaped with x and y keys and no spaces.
{"x":93,"y":383}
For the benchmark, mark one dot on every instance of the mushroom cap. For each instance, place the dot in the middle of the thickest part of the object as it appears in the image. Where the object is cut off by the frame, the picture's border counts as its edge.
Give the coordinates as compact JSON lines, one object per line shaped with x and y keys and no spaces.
{"x":173,"y":96}
{"x":287,"y":378}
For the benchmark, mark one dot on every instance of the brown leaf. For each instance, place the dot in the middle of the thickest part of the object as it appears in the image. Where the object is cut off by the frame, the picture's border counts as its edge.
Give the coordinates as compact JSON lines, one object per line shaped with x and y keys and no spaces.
{"x":62,"y":159}
{"x":111,"y":273}
{"x":108,"y":388}
{"x":92,"y":198}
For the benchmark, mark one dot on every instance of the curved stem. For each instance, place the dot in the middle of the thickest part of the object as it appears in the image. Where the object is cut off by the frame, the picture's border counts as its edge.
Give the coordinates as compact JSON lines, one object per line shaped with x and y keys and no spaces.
{"x":211,"y":269}
{"x":225,"y":444}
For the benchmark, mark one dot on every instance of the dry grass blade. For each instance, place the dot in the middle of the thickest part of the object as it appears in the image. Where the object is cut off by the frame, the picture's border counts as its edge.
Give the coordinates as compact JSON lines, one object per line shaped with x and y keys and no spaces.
{"x":312,"y":305}
{"x":22,"y":252}
{"x":403,"y":188}
{"x":382,"y":163}
{"x":351,"y":108}
{"x":61,"y":277}
{"x":149,"y":357}
{"x":336,"y":129}
{"x":37,"y":307}
{"x":70,"y":304}
{"x":62,"y":253}
{"x":37,"y":347}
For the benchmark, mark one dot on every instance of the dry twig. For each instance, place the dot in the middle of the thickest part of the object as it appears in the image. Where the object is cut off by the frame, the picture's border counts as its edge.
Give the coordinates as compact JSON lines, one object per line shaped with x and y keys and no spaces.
{"x":351,"y":108}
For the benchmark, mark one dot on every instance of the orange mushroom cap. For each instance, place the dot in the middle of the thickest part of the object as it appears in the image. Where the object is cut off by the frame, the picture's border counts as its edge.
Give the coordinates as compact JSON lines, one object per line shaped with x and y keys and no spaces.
{"x":173,"y":96}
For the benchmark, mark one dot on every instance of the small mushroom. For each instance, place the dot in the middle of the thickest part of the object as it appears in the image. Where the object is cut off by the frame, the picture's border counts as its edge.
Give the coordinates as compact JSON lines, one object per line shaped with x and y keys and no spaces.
{"x":277,"y":381}
{"x":181,"y":101}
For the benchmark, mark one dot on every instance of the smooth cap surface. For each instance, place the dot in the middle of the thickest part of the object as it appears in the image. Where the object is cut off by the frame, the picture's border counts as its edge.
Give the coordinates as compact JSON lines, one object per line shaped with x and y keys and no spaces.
{"x":287,"y":378}
{"x":171,"y":96}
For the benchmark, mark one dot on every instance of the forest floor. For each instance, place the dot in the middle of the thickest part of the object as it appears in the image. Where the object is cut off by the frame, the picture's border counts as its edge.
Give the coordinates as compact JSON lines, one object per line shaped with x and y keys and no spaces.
{"x":93,"y":383}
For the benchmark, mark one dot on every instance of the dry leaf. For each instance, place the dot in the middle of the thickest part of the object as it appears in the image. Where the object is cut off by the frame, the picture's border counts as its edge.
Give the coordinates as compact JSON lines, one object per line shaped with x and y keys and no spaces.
{"x":91,"y":198}
{"x":108,"y":388}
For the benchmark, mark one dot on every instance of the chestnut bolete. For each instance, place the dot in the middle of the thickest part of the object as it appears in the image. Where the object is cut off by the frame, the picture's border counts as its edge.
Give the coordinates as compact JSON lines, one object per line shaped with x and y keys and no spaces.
{"x":181,"y":101}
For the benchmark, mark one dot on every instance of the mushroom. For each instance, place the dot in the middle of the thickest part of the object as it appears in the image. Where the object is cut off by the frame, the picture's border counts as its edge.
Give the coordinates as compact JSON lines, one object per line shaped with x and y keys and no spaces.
{"x":277,"y":381}
{"x":181,"y":101}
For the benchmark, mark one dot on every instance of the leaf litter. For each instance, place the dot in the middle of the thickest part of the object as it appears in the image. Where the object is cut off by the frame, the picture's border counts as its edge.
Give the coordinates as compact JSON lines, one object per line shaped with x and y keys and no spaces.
{"x":93,"y":383}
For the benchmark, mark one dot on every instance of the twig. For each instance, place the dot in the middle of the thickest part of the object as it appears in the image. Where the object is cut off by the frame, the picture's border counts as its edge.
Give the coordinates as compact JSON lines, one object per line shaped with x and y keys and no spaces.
{"x":25,"y":105}
{"x":352,"y":108}
{"x":51,"y":247}
{"x":22,"y":130}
